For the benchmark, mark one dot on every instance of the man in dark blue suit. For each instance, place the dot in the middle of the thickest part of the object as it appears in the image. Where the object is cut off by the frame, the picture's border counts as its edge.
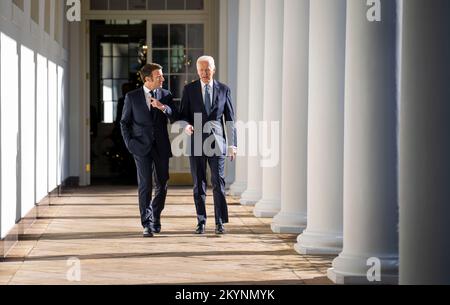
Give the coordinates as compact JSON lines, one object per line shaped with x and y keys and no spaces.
{"x":205,"y":104}
{"x":144,"y":129}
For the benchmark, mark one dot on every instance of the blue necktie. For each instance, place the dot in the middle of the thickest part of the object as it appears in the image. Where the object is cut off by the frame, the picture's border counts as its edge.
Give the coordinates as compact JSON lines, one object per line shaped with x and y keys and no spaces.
{"x":207,"y":100}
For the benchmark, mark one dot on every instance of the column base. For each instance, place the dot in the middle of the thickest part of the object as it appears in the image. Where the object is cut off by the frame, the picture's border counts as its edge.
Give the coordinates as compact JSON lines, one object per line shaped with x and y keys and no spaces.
{"x":317,"y":243}
{"x":237,"y":188}
{"x":355,"y":270}
{"x":289,"y":223}
{"x":250,"y":197}
{"x":267,"y":208}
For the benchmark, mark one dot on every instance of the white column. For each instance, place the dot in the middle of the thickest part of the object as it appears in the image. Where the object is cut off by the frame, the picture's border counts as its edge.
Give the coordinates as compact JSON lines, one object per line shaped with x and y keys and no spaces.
{"x":425,"y":144}
{"x":323,"y":234}
{"x":270,"y":205}
{"x":370,"y":147}
{"x":256,"y":74}
{"x":292,"y":217}
{"x":242,"y":102}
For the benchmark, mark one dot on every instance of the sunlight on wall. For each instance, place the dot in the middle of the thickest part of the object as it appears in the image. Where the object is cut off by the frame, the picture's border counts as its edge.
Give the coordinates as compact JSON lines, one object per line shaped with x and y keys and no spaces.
{"x":41,"y":130}
{"x":28,"y":108}
{"x":60,"y":129}
{"x":52,"y":126}
{"x":9,"y":131}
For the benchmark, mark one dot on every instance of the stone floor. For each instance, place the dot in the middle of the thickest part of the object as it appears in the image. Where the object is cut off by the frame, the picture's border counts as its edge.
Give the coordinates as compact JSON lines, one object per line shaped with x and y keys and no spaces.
{"x":98,"y":230}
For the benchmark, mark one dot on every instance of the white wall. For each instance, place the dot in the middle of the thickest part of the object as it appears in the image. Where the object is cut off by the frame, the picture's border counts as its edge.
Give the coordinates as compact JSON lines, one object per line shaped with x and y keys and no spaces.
{"x":34,"y":151}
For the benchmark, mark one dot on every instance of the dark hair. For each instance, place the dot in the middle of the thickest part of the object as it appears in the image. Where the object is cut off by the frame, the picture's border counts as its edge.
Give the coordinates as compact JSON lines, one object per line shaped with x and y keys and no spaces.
{"x":148,"y":69}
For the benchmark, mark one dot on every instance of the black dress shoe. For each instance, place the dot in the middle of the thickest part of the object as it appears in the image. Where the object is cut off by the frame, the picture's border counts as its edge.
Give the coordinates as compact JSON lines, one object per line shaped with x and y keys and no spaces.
{"x":156,"y":228}
{"x":220,"y":229}
{"x":200,"y":228}
{"x":147,"y":232}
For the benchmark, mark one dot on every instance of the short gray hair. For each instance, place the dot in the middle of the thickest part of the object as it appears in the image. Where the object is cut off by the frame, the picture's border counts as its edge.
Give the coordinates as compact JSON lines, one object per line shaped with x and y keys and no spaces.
{"x":208,"y":59}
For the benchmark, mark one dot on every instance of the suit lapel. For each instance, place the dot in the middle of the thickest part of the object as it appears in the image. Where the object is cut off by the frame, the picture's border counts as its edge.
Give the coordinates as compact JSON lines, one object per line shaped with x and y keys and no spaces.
{"x":216,"y":94}
{"x":199,"y":96}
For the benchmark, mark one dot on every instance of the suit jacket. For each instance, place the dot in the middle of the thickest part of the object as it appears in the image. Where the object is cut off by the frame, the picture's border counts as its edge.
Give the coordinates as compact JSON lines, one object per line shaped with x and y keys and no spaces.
{"x":212,"y":124}
{"x":143,"y":129}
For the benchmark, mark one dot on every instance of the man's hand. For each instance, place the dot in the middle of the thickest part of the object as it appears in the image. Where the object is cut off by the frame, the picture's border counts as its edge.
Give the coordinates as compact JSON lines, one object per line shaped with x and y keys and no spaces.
{"x":189,"y":130}
{"x":157,"y":104}
{"x":232,"y":153}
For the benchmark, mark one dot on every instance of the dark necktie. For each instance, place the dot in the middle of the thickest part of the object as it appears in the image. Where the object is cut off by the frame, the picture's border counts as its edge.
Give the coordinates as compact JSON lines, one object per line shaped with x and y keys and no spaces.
{"x":207,"y":100}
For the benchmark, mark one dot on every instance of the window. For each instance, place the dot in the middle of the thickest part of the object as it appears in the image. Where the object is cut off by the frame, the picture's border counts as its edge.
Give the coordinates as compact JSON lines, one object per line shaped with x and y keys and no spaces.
{"x":101,"y":5}
{"x":176,"y":47}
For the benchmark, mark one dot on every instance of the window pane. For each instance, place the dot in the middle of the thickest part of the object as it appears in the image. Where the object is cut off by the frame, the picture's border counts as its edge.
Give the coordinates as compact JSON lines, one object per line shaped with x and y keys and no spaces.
{"x":117,"y":5}
{"x":195,"y":36}
{"x":137,"y":4}
{"x":175,"y":4}
{"x":194,"y":4}
{"x":120,"y":49}
{"x":107,"y":90}
{"x":193,"y":55}
{"x":162,"y":58}
{"x":117,"y":88}
{"x":160,"y":33}
{"x":156,"y":4}
{"x":105,"y":49}
{"x":96,"y":4}
{"x":177,"y":60}
{"x":177,"y":34}
{"x":106,"y":67}
{"x":177,"y":83}
{"x":120,"y":67}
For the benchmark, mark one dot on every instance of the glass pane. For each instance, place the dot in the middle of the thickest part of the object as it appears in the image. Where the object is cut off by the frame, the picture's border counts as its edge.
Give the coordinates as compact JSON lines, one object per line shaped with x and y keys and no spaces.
{"x":105,"y":49}
{"x":137,"y":4}
{"x":160,"y":33}
{"x":193,"y":55}
{"x":162,"y":58}
{"x":134,"y":65}
{"x":120,"y":67}
{"x":194,"y":4}
{"x":96,"y":4}
{"x":177,"y":83}
{"x":195,"y":36}
{"x":177,"y":60}
{"x":106,"y":67}
{"x":117,"y":5}
{"x":177,"y":35}
{"x":156,"y":4}
{"x":107,"y":90}
{"x":109,"y":111}
{"x":120,"y":49}
{"x":117,"y":88}
{"x":175,"y":4}
{"x":134,"y":49}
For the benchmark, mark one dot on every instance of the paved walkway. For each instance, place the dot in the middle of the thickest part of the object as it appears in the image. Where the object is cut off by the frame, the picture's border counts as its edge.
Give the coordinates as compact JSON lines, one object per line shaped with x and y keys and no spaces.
{"x":98,"y":229}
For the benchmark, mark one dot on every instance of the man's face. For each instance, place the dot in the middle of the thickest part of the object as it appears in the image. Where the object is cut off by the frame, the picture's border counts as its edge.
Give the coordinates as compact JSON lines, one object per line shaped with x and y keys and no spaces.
{"x":157,"y":79}
{"x":205,"y":72}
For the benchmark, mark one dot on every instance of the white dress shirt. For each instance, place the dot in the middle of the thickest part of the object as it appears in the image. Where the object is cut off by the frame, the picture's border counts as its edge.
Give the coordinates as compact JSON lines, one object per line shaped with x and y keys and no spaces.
{"x":211,"y":91}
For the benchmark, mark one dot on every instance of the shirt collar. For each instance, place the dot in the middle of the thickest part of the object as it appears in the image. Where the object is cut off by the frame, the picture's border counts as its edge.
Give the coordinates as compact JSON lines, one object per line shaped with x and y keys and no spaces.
{"x":211,"y":84}
{"x":147,"y":91}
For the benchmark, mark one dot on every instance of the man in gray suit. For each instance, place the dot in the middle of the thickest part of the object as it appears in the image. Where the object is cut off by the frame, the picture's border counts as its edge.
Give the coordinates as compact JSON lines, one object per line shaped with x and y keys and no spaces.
{"x":146,"y":113}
